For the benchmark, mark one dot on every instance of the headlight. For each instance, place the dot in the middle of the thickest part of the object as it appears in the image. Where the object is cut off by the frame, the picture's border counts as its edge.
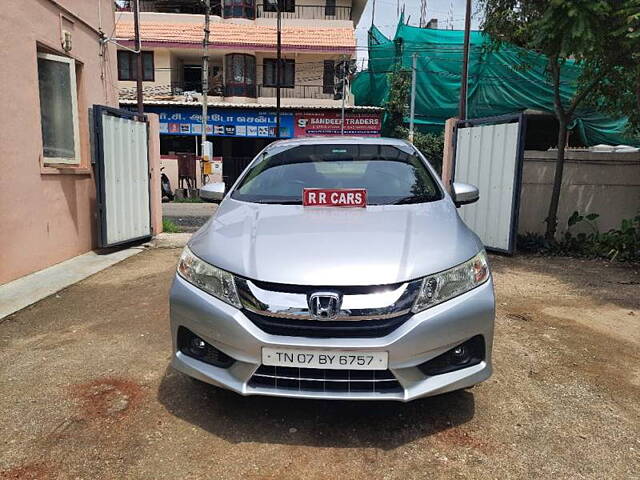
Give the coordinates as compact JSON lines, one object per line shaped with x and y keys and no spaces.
{"x":212,"y":280}
{"x":453,"y":282}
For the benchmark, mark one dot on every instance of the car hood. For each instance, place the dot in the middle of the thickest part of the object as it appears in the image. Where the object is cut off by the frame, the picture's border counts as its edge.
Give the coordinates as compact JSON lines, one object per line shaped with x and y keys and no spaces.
{"x":376,"y":245}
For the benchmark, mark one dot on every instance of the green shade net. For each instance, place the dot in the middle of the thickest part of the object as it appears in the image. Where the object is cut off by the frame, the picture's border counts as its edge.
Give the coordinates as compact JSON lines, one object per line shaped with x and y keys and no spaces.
{"x":501,"y":81}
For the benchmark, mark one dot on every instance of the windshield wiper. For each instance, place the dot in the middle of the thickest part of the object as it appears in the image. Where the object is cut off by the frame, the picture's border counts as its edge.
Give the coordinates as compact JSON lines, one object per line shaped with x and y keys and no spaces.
{"x":412,"y":199}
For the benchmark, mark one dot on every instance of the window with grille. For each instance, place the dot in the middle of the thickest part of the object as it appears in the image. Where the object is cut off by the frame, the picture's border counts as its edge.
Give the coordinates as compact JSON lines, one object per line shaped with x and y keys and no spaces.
{"x":240,"y":75}
{"x":240,"y":9}
{"x":330,"y":8}
{"x":286,"y":6}
{"x":128,"y":66}
{"x":287,"y":73}
{"x":329,"y":76}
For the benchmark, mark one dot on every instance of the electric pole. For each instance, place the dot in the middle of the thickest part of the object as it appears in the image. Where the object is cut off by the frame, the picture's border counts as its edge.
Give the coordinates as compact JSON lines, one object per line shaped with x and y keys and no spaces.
{"x":423,"y":13}
{"x":205,"y":77}
{"x":139,"y":69}
{"x":278,"y":65}
{"x":413,"y":95}
{"x":344,"y":91}
{"x":373,"y":13}
{"x":465,"y":64}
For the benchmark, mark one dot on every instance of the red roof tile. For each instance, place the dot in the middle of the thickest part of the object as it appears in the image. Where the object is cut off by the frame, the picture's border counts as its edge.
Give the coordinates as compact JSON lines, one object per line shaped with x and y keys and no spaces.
{"x":228,"y":35}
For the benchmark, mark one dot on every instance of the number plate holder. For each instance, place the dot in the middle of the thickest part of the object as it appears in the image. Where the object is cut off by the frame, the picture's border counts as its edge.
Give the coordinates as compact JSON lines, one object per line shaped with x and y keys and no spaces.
{"x":330,"y":359}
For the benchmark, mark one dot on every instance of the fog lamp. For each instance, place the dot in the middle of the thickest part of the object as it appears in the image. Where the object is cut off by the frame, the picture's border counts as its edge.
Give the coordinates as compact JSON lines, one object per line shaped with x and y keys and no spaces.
{"x":192,"y":345}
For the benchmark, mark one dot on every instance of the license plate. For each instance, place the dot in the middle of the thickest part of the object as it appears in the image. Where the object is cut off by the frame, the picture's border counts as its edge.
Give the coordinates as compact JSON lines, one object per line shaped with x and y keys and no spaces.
{"x":331,"y":359}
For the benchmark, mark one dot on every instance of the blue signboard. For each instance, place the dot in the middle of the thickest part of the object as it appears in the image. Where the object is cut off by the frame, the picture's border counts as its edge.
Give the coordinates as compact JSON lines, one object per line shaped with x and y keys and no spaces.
{"x":222,"y":122}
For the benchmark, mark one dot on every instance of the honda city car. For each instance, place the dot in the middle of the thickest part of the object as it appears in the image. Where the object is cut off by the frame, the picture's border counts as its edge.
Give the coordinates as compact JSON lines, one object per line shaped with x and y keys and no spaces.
{"x":335,"y":268}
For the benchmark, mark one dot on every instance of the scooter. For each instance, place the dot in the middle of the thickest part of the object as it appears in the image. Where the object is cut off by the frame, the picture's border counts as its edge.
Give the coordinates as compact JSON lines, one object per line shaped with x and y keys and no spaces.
{"x":165,"y":185}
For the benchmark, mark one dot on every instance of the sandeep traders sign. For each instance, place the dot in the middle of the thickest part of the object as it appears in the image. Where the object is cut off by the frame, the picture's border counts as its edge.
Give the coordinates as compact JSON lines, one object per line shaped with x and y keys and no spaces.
{"x":262,"y":123}
{"x":309,"y":124}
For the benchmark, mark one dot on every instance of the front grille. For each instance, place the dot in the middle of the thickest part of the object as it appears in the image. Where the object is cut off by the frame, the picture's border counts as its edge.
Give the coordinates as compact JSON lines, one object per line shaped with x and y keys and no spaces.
{"x":307,"y":289}
{"x":324,"y":380}
{"x":326,"y":329}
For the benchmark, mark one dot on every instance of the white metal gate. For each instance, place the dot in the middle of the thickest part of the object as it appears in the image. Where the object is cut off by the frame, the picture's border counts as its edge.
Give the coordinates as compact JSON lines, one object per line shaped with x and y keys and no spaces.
{"x":488,"y":154}
{"x":122,"y":176}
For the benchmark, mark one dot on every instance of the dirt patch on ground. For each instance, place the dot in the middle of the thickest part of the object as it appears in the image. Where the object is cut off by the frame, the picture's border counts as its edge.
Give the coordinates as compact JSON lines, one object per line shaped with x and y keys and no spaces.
{"x":107,"y":397}
{"x":27,"y":472}
{"x":86,"y":387}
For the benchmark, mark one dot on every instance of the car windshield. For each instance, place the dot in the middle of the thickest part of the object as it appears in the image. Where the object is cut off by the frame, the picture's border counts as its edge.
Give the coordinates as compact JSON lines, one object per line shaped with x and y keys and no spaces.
{"x":389,"y":174}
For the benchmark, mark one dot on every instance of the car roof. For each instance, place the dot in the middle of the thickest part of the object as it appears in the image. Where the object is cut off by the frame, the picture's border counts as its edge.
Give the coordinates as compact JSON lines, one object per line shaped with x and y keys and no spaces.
{"x":338,"y":140}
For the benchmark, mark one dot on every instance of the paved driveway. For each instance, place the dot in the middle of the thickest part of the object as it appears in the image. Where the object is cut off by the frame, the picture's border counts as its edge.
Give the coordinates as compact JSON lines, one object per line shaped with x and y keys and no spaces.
{"x":87,"y":392}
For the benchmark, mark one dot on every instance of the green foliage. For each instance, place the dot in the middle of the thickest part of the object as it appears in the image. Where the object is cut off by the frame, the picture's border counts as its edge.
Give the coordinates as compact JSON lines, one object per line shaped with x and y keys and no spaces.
{"x":396,"y":105}
{"x":169,"y":227}
{"x":621,"y":243}
{"x":431,"y":145}
{"x":603,"y":36}
{"x":188,"y":200}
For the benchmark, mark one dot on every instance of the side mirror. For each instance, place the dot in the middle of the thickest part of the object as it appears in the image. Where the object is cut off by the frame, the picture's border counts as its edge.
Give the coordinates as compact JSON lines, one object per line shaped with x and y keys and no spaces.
{"x":212,"y":192}
{"x":464,"y":194}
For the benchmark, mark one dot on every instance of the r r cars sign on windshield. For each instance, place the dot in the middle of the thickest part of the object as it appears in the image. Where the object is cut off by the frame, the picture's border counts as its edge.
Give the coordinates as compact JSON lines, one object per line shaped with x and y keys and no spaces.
{"x":340,"y":197}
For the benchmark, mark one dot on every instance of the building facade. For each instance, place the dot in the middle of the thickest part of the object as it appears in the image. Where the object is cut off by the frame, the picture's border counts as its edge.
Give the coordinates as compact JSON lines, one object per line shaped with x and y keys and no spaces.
{"x":318,"y":37}
{"x":56,"y":67}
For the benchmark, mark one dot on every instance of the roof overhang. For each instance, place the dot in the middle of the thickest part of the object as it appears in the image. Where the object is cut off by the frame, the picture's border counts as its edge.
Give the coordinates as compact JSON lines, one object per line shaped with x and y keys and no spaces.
{"x":238,"y":46}
{"x":260,"y":106}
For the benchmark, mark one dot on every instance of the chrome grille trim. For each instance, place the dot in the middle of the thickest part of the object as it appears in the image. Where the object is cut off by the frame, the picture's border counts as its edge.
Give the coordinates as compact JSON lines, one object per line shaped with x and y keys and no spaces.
{"x":378,"y":305}
{"x":325,"y":380}
{"x":310,"y":379}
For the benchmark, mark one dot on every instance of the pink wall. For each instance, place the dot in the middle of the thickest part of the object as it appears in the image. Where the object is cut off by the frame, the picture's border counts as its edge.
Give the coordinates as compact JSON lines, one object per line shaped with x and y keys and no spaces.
{"x":47,"y":215}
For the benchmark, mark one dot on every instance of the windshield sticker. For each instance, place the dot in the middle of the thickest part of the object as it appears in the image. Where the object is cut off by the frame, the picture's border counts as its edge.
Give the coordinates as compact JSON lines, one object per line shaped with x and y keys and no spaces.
{"x":334,"y":197}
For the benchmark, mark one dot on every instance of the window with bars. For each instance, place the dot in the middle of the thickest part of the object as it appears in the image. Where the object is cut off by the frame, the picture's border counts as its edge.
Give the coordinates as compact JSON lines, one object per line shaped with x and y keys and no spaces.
{"x":240,"y":75}
{"x":286,"y":6}
{"x":287,"y":73}
{"x":329,"y":76}
{"x":330,"y":8}
{"x":240,"y":9}
{"x":127,"y":66}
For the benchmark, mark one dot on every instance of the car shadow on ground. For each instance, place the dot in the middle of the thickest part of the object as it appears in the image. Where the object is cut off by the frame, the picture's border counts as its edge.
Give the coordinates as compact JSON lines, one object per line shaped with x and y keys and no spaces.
{"x":319,"y":423}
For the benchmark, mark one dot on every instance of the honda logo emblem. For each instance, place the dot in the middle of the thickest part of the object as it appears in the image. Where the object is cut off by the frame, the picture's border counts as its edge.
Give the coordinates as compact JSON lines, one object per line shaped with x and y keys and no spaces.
{"x":324,"y":305}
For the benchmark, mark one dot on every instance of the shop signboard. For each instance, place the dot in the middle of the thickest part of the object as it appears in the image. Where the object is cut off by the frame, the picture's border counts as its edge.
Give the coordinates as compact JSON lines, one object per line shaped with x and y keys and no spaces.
{"x":222,"y":122}
{"x":310,"y":124}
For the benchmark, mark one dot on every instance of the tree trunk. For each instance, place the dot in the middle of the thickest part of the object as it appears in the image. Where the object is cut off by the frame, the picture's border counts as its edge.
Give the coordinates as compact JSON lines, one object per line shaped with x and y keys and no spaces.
{"x":552,"y":216}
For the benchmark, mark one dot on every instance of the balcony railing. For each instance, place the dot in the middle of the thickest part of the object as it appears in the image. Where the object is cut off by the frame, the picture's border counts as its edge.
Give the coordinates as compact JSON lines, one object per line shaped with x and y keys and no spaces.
{"x":298,"y":91}
{"x":177,"y":89}
{"x":239,"y":90}
{"x":312,"y":12}
{"x":168,"y":6}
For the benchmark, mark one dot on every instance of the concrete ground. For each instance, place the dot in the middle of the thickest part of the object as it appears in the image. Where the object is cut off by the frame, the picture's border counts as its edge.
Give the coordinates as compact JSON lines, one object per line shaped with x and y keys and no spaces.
{"x":188,"y":216}
{"x":87,"y":392}
{"x":31,"y":288}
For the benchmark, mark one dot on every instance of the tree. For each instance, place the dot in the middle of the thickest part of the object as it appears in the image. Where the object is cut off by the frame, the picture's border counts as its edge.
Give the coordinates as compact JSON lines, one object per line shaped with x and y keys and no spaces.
{"x":396,"y":105}
{"x":431,"y":145}
{"x":602,"y":36}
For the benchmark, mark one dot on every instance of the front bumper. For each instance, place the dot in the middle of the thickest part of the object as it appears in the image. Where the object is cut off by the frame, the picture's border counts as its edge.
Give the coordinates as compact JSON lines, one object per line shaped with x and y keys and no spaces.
{"x":422,"y":337}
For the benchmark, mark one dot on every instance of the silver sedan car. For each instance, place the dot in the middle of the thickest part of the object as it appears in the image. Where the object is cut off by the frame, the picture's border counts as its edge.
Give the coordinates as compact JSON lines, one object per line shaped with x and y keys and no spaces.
{"x":335,"y":268}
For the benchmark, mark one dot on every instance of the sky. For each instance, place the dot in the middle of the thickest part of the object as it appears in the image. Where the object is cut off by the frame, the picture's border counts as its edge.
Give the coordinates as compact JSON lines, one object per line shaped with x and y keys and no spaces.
{"x":387,"y":17}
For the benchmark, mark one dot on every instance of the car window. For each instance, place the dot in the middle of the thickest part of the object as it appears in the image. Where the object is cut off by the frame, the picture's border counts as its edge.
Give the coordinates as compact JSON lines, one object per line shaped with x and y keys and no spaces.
{"x":390,"y":175}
